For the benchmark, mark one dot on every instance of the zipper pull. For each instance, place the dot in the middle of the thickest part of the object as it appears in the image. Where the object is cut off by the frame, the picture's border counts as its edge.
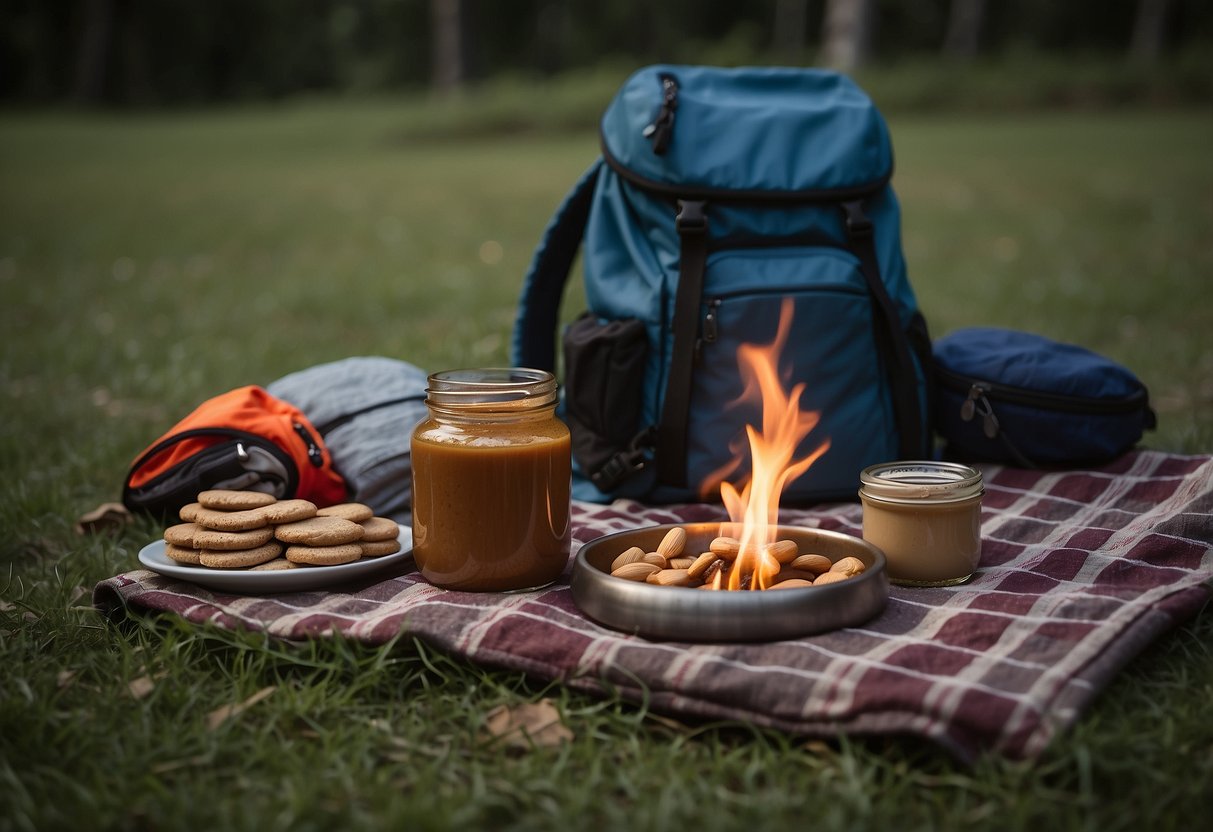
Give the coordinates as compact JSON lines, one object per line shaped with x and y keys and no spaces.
{"x":314,"y":454}
{"x":708,"y":329}
{"x":659,"y":132}
{"x":709,"y":320}
{"x":968,"y":410}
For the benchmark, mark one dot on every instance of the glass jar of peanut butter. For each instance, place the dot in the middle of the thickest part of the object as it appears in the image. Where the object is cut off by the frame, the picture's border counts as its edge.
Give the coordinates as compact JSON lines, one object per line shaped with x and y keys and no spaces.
{"x":491,"y":477}
{"x":926,"y":517}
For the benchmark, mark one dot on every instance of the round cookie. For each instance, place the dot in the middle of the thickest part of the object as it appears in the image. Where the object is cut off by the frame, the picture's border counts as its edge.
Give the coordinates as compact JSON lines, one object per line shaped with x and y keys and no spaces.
{"x":324,"y":555}
{"x":229,"y":521}
{"x":354,"y":512}
{"x":181,"y":535}
{"x":189,"y":512}
{"x":232,"y":541}
{"x":379,"y":548}
{"x":242,"y":558}
{"x":274,"y":565}
{"x":221,"y":499}
{"x":181,"y":554}
{"x":379,"y":528}
{"x":288,"y":511}
{"x":319,"y":531}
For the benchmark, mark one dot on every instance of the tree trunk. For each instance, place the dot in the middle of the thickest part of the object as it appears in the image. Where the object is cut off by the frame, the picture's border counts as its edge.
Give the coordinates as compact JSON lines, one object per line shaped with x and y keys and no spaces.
{"x":447,"y":44}
{"x":964,"y":29}
{"x":848,"y":33}
{"x":791,"y":21}
{"x":1149,"y":30}
{"x":96,"y":47}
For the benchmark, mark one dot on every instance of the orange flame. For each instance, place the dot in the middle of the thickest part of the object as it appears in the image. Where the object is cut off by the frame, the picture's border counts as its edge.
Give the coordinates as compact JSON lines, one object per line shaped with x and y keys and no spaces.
{"x":756,"y":506}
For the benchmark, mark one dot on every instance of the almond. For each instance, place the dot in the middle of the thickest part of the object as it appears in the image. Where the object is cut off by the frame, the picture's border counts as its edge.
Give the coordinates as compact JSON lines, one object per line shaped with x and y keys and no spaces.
{"x":725,"y":547}
{"x":791,"y":583}
{"x":830,"y":578}
{"x":636,"y":571}
{"x":848,"y":566}
{"x":628,"y":556}
{"x":812,"y":563}
{"x":784,"y":551}
{"x":670,"y":577}
{"x":700,"y":565}
{"x":671,"y":545}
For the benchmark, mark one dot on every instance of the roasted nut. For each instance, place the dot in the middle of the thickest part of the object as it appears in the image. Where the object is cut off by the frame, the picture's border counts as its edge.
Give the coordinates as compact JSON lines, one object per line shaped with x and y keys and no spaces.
{"x":658,"y":560}
{"x":636,"y":571}
{"x":681,"y":563}
{"x":848,"y":566}
{"x":784,"y":551}
{"x":812,"y":563}
{"x":632,"y":555}
{"x":670,"y":577}
{"x":700,"y":564}
{"x":830,"y":578}
{"x":791,"y":583}
{"x":725,"y":547}
{"x":717,"y":566}
{"x":671,"y":545}
{"x":787,"y":574}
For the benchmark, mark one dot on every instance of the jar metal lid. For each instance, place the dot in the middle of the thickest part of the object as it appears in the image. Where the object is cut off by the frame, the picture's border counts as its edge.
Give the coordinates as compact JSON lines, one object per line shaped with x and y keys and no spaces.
{"x":491,"y":388}
{"x":915,"y":481}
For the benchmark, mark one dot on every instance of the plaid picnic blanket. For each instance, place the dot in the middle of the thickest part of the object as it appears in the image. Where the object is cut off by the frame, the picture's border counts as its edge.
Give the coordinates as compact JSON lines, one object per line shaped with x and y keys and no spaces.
{"x":1080,"y":572}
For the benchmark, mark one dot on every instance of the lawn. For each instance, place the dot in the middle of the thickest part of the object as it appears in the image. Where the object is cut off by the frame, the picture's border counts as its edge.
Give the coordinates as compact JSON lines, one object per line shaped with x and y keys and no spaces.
{"x":150,"y":261}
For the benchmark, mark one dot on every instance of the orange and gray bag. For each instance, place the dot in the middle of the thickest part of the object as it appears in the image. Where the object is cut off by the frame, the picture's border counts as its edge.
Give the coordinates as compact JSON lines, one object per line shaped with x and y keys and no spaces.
{"x":327,"y":434}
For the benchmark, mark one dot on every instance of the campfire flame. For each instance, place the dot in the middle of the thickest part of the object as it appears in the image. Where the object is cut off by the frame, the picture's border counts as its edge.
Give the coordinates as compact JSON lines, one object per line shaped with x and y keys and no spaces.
{"x":755,"y":507}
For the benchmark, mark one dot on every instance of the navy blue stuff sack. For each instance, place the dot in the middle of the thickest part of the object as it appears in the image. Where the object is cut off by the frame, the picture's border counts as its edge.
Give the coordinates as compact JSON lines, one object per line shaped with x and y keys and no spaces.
{"x":721,"y":193}
{"x":1023,"y":399}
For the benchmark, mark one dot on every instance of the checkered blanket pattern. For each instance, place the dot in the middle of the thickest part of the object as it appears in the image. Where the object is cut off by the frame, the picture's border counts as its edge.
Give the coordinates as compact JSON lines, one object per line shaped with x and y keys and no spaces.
{"x":1080,"y":572}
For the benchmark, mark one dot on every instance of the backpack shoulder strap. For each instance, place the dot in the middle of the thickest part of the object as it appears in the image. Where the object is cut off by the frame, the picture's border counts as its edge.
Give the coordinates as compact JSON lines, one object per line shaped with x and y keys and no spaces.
{"x":534,"y":342}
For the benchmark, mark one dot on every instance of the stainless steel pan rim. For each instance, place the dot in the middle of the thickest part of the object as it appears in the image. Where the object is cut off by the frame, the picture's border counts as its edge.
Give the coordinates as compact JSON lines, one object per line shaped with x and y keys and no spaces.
{"x":683,"y":614}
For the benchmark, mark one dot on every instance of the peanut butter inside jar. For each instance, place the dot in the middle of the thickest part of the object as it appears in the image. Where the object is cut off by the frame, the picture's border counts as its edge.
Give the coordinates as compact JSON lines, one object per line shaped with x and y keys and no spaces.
{"x":491,"y":476}
{"x":926,"y":517}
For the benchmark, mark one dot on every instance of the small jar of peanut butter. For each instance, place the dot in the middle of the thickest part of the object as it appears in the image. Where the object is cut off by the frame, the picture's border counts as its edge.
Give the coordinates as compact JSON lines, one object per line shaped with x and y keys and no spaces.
{"x":926,"y":517}
{"x":491,"y":477}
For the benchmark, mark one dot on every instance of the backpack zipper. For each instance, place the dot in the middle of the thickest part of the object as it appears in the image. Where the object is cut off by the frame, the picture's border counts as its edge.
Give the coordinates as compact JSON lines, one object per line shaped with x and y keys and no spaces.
{"x":332,"y":424}
{"x":977,"y":390}
{"x":661,"y":130}
{"x":314,"y":454}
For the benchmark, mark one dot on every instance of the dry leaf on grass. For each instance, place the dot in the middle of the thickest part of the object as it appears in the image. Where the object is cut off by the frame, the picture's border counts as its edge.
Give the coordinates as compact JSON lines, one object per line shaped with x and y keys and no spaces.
{"x":107,"y":518}
{"x":527,"y":726}
{"x":141,"y":687}
{"x":220,"y":715}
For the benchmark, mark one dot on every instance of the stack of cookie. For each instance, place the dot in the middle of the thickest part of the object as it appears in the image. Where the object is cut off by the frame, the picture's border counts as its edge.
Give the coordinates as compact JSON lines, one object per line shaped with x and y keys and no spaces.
{"x":250,"y":530}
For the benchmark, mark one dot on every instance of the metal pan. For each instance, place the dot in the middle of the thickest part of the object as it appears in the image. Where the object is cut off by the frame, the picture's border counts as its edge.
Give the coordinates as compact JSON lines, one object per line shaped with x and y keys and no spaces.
{"x":684,"y":614}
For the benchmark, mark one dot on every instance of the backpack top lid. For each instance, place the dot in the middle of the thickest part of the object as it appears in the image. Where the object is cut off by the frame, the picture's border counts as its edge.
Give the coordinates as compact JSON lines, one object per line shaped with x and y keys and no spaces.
{"x":772,"y":131}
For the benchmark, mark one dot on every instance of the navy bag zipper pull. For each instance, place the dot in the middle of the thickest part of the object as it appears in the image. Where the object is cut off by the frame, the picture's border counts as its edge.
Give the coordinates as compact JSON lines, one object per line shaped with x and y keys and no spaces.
{"x":662,"y":128}
{"x":989,"y":422}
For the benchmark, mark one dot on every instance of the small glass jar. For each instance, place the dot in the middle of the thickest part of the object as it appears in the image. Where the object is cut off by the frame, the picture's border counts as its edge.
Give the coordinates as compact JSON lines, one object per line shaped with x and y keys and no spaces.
{"x":492,"y":471}
{"x":926,"y":517}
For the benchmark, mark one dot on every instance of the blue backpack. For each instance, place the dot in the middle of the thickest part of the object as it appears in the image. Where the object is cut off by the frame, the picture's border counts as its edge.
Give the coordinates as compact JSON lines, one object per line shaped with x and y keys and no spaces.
{"x":719,"y":193}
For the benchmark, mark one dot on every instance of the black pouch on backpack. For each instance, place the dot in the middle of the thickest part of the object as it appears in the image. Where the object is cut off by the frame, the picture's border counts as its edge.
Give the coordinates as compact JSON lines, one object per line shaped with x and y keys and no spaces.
{"x":1022,"y":399}
{"x":604,"y":364}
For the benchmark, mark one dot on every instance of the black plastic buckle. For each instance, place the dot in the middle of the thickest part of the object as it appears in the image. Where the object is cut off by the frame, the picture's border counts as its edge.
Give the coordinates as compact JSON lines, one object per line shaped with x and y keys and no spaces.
{"x":624,"y":464}
{"x":857,"y":222}
{"x":692,"y":219}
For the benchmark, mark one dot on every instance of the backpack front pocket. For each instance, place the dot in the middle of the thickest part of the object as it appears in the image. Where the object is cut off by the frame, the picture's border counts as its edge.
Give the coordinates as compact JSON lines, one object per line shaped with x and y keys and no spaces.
{"x":829,"y":354}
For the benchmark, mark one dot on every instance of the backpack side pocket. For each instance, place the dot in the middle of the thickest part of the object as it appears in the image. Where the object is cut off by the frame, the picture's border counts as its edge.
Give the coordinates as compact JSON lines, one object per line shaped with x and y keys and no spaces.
{"x":603,"y":391}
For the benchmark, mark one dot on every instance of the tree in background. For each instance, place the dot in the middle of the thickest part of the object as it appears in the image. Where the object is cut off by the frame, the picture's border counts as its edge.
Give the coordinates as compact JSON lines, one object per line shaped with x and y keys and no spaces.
{"x":848,"y":33}
{"x":963,"y":38}
{"x":173,"y":52}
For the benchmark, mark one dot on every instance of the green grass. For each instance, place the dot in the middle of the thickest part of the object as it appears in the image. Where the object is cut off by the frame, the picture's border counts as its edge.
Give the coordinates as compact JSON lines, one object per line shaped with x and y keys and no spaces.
{"x":149,"y":262}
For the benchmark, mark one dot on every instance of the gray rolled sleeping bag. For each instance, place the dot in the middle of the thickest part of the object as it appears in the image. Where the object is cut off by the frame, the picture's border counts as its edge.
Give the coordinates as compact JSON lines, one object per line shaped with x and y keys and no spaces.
{"x":365,"y":409}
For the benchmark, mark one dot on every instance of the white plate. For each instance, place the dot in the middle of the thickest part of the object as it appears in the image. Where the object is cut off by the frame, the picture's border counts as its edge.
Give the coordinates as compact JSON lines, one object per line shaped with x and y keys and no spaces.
{"x":274,"y":580}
